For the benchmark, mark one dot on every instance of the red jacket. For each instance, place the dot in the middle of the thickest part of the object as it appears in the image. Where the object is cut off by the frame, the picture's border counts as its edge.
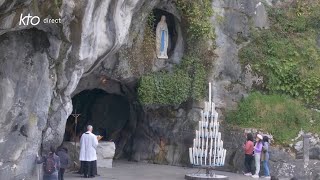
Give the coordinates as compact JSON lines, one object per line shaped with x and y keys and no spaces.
{"x":248,"y":147}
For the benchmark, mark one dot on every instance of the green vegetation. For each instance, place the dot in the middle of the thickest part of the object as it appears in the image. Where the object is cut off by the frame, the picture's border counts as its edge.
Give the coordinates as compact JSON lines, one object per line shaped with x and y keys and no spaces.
{"x":197,"y":15}
{"x":279,"y":115}
{"x":186,"y":81}
{"x":58,"y":3}
{"x":287,"y":54}
{"x":148,"y":44}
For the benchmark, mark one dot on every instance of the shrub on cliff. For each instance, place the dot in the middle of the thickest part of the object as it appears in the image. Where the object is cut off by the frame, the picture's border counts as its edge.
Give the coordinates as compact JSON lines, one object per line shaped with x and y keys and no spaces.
{"x":279,"y":115}
{"x":287,"y":54}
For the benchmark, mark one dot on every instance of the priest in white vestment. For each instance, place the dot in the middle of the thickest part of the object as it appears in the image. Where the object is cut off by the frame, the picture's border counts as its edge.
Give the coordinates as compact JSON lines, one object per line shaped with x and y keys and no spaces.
{"x":88,"y":153}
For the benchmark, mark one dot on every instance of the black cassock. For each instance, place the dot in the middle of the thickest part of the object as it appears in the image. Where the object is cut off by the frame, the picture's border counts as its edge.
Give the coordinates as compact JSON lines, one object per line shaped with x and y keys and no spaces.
{"x":88,"y":168}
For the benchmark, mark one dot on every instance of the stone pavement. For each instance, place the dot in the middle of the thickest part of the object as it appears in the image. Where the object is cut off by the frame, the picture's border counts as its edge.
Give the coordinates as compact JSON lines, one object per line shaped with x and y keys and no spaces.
{"x":125,"y":170}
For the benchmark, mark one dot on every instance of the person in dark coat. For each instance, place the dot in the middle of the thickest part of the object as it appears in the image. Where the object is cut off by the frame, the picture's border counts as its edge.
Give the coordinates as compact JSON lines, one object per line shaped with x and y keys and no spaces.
{"x":64,"y":161}
{"x":44,"y":159}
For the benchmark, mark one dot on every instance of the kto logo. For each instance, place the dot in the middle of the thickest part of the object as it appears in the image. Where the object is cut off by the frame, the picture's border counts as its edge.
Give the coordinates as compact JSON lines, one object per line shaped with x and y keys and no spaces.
{"x":35,"y":20}
{"x":25,"y":20}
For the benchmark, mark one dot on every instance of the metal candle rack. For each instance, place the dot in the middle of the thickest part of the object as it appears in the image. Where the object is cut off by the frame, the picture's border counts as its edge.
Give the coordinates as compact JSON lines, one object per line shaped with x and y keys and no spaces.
{"x":207,"y":150}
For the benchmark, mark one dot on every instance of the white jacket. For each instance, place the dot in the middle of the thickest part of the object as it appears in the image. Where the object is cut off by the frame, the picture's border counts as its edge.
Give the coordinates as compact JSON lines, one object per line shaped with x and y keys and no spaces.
{"x":88,"y":145}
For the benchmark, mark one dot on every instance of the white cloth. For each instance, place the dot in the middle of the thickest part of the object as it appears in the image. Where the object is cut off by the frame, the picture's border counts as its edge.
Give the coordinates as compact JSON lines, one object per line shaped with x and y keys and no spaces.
{"x":88,"y":146}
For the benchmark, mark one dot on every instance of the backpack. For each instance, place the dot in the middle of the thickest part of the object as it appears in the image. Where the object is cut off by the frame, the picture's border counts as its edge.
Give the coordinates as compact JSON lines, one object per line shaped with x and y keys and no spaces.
{"x":49,"y":164}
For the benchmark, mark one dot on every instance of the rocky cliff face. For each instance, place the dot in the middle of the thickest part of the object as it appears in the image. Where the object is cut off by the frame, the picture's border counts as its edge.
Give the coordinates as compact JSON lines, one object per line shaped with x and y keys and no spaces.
{"x":233,"y":21}
{"x":43,"y":66}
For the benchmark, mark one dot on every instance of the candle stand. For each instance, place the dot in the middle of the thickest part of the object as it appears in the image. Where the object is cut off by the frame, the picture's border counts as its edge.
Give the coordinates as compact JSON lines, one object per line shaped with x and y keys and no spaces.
{"x":207,"y":151}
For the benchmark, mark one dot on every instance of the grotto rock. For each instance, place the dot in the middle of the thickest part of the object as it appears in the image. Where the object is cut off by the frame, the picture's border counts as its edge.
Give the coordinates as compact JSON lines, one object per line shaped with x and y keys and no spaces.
{"x":165,"y":135}
{"x":38,"y":80}
{"x":25,"y":97}
{"x":87,"y":41}
{"x":231,"y":33}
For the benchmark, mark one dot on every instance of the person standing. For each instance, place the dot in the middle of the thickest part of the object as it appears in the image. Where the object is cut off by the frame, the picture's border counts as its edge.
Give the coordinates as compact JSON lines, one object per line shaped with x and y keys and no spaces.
{"x":257,"y":155}
{"x":265,"y":157}
{"x":88,"y":154}
{"x":64,"y":161}
{"x":248,"y":149}
{"x":51,"y":165}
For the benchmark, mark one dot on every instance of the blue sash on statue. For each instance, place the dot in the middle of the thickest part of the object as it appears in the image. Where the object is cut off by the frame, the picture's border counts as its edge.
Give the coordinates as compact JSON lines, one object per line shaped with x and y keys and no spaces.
{"x":163,"y":34}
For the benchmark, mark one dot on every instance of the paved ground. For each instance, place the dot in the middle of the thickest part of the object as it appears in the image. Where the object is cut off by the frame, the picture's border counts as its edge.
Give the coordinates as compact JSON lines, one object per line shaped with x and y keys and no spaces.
{"x":124,"y":170}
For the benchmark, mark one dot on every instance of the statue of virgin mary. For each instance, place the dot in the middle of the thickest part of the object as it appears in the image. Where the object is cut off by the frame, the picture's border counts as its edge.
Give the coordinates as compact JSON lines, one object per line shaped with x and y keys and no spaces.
{"x":162,"y":39}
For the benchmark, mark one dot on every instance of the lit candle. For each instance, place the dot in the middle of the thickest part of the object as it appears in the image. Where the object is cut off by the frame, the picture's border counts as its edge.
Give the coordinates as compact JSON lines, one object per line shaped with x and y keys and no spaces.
{"x":190,"y":156}
{"x":213,"y":107}
{"x":205,"y":107}
{"x":202,"y":133}
{"x":205,"y":157}
{"x":210,"y":93}
{"x":194,"y":155}
{"x":201,"y":153}
{"x":202,"y":115}
{"x":207,"y":145}
{"x":214,"y":128}
{"x":224,"y":157}
{"x":216,"y":117}
{"x":215,"y":150}
{"x":197,"y":156}
{"x":199,"y":127}
{"x":210,"y":152}
{"x":211,"y":119}
{"x":212,"y":110}
{"x":207,"y":136}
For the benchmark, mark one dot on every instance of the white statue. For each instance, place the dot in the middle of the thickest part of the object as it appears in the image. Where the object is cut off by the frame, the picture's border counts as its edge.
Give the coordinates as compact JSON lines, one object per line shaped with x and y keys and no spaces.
{"x":162,"y":39}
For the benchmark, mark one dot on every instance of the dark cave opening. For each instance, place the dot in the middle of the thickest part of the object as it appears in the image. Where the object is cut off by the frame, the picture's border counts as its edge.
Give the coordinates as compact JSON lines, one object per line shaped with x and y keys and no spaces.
{"x":107,"y":113}
{"x":171,"y":22}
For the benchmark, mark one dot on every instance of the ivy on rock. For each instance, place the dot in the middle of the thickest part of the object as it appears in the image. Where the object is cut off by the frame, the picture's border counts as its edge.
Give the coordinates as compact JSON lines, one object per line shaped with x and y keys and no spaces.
{"x":186,"y":81}
{"x":287,"y":54}
{"x":279,"y":115}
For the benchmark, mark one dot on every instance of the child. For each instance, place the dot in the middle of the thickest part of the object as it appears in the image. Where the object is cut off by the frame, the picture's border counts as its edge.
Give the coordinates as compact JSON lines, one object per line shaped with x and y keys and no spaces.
{"x":257,"y":155}
{"x":248,"y":149}
{"x":265,"y":157}
{"x":64,"y":161}
{"x":51,"y":165}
